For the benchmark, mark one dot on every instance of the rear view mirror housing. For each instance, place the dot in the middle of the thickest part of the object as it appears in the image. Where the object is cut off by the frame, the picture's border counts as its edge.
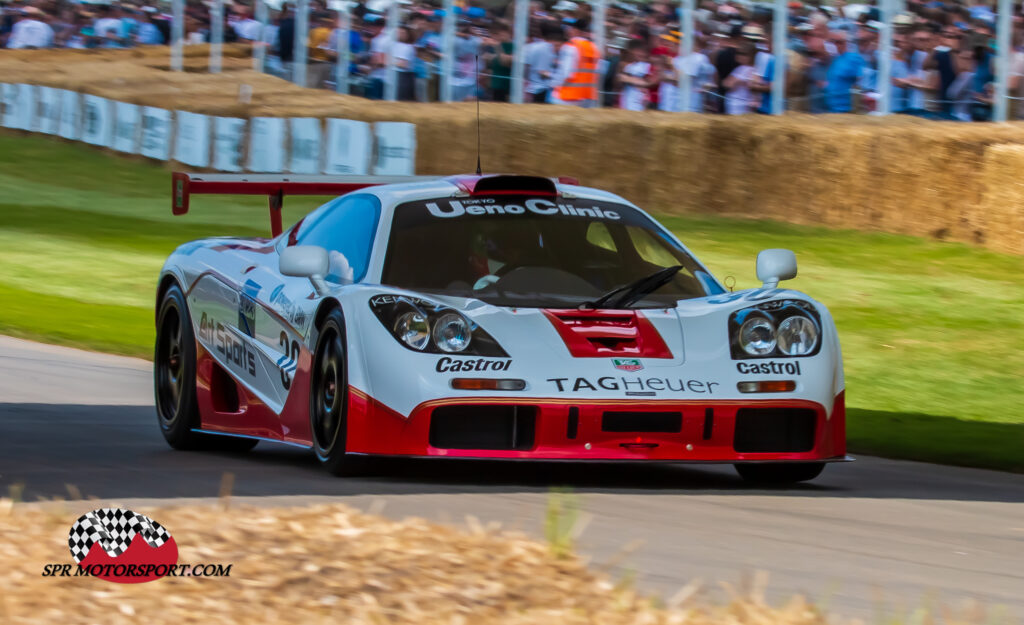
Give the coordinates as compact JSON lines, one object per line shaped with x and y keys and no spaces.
{"x":306,"y":261}
{"x":775,"y":265}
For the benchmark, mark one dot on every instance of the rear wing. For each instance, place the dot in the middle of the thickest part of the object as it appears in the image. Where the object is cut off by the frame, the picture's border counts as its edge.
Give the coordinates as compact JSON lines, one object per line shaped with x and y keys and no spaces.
{"x":275,"y":187}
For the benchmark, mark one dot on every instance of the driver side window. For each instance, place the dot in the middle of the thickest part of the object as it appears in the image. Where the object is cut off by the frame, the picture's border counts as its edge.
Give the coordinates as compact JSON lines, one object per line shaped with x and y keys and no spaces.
{"x":345,"y":228}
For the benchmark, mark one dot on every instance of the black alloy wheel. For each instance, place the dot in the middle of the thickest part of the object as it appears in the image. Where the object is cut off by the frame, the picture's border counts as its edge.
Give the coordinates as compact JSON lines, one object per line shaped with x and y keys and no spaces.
{"x":328,"y":398}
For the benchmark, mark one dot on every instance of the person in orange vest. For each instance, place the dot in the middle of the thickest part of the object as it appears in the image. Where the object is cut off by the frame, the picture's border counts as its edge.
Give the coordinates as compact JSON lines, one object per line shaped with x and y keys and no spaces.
{"x":576,"y":77}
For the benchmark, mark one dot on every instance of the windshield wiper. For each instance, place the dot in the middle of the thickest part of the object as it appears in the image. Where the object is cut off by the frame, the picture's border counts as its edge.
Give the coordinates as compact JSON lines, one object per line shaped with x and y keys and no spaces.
{"x":623,"y":296}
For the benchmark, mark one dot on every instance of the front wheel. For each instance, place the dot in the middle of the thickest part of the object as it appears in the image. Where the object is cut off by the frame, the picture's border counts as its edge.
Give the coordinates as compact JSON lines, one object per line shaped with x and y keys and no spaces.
{"x":780,"y":473}
{"x":328,"y":398}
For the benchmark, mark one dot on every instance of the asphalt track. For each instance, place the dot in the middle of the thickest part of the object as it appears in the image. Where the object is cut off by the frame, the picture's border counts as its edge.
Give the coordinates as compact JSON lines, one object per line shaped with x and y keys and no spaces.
{"x":868,"y":539}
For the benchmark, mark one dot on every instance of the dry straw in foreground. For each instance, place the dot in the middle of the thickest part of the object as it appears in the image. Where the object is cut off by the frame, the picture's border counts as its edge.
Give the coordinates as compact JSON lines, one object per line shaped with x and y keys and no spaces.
{"x":330,"y":564}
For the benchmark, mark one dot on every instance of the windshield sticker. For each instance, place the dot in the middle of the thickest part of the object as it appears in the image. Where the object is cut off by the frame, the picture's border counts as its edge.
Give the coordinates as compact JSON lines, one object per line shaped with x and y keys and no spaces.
{"x":488,"y":206}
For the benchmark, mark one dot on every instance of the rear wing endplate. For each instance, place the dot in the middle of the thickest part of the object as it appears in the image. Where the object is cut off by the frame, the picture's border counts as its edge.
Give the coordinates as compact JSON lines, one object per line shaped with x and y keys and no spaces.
{"x":274,"y":186}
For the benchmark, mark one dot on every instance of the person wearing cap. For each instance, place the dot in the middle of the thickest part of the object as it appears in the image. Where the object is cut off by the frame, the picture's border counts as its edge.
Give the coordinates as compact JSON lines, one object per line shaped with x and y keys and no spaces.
{"x":31,"y":31}
{"x":576,"y":77}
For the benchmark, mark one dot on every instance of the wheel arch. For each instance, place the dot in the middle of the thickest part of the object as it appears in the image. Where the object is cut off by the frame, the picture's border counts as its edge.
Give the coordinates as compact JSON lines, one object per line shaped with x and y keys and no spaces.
{"x":166,"y":281}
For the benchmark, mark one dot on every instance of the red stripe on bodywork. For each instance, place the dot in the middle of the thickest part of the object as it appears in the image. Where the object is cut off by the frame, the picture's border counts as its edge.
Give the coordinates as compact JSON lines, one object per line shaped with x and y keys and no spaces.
{"x":606,"y":333}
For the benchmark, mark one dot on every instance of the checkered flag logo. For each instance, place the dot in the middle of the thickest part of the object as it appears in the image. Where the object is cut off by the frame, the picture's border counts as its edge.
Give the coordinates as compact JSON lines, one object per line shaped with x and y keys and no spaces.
{"x":113,"y":529}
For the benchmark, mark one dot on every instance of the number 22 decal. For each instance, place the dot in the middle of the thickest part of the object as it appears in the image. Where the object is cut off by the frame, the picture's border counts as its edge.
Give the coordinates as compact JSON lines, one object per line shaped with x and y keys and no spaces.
{"x":289,"y":361}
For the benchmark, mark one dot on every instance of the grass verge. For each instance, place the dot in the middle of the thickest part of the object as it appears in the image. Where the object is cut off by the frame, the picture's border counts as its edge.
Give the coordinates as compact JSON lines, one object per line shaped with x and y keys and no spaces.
{"x":931,"y":331}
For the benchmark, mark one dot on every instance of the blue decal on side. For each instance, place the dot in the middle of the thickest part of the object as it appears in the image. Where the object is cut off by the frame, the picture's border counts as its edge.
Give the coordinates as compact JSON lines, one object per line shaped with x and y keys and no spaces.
{"x":251,"y":288}
{"x":247,"y":315}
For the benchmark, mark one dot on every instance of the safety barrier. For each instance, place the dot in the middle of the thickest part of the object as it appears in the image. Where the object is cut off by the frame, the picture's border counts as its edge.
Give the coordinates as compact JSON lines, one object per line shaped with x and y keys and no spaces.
{"x":300,"y":145}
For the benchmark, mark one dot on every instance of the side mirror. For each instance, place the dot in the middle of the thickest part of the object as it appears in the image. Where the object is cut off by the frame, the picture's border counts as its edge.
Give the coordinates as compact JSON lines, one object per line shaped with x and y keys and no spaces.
{"x":306,"y":261}
{"x":775,"y":265}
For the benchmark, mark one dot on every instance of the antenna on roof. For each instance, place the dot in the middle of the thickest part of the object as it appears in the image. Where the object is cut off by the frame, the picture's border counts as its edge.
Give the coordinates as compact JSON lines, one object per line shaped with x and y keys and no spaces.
{"x":477,"y":65}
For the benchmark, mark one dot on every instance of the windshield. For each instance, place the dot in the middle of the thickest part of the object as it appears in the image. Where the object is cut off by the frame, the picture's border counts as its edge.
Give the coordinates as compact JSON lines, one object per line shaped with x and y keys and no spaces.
{"x":534,"y":251}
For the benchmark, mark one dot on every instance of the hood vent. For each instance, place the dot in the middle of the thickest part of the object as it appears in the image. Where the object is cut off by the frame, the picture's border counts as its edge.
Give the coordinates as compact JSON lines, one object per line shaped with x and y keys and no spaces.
{"x":608,"y":333}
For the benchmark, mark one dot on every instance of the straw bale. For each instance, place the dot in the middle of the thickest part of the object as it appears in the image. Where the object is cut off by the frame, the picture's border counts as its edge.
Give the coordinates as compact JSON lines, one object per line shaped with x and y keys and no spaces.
{"x":896,"y":174}
{"x":331,"y":564}
{"x":1001,"y":208}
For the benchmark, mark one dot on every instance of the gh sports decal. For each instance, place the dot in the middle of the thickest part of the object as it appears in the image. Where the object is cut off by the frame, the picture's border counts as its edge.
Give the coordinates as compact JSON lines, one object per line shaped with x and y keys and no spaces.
{"x":769,"y":368}
{"x":233,"y":349}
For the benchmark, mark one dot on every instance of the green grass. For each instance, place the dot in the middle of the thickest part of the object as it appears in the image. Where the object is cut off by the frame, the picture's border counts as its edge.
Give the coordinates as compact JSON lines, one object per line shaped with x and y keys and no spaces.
{"x":932,"y":333}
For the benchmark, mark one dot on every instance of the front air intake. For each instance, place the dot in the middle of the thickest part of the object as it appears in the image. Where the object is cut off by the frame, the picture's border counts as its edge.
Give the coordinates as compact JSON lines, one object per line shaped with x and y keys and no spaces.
{"x":483,"y":426}
{"x":774,"y":430}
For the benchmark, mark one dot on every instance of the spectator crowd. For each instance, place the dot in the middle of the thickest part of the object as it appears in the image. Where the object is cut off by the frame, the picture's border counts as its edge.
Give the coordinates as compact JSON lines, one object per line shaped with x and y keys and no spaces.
{"x":942,"y":64}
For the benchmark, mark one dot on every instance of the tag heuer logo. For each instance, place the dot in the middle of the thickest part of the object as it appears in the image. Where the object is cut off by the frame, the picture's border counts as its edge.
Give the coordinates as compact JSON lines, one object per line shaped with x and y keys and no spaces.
{"x":627,"y":364}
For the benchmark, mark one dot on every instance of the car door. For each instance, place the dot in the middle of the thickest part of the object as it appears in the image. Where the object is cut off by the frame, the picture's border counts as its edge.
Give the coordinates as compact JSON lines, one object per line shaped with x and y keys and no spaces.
{"x":345,"y":227}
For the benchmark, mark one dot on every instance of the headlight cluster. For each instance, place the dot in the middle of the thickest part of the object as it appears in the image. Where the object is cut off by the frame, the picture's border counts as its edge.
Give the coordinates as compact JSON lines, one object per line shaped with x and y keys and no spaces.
{"x":425,"y":326}
{"x":780,"y":328}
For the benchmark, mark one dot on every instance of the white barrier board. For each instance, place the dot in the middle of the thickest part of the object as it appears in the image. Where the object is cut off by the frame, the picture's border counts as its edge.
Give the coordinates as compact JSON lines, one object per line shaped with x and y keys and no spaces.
{"x":348,"y":147}
{"x":126,"y":127}
{"x":228,"y":141}
{"x":97,"y":120}
{"x":305,"y":145}
{"x":70,"y":114}
{"x":192,"y":141}
{"x":25,"y":107}
{"x":8,"y":93}
{"x":266,"y":144}
{"x":48,"y":110}
{"x":396,"y":149}
{"x":156,"y":133}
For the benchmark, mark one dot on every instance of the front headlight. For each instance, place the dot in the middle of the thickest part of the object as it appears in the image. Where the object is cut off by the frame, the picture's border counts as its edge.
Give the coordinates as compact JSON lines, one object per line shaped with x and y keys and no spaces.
{"x":412,"y":329}
{"x":775,"y":329}
{"x":757,"y":336}
{"x":432,"y":328}
{"x":797,"y":336}
{"x":452,"y":333}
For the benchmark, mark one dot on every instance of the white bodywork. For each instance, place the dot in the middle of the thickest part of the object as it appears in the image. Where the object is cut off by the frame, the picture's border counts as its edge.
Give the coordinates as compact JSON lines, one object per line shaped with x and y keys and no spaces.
{"x":251,"y":319}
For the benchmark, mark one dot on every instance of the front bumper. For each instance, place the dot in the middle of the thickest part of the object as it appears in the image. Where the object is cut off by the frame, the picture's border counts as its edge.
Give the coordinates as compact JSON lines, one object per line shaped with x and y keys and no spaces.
{"x":762,"y":430}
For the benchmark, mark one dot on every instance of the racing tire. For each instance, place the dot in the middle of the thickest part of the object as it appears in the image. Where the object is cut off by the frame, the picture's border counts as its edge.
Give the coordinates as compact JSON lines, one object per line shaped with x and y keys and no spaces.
{"x":328,"y":399}
{"x":174,"y":381}
{"x":781,"y":473}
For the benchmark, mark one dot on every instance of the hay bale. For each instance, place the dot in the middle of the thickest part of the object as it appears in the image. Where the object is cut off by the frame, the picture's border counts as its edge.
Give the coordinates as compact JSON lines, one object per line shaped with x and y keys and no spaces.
{"x":1001,"y":209}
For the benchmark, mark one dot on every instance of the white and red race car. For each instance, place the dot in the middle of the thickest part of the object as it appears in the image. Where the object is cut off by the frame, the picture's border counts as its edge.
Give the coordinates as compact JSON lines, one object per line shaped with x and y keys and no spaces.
{"x":489,"y":316}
